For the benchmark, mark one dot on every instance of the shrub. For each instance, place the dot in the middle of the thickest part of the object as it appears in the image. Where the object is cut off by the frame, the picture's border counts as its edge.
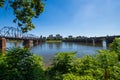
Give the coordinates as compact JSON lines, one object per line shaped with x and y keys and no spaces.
{"x":115,"y":46}
{"x":63,"y":62}
{"x":70,"y":76}
{"x":21,"y":64}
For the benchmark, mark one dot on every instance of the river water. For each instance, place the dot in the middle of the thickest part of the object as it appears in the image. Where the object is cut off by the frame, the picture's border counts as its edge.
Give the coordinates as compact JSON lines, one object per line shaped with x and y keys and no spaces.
{"x":48,"y":50}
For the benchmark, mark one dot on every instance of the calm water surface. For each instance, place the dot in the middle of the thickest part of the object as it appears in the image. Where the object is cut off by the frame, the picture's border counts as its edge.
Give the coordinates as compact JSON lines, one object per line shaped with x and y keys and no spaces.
{"x":48,"y":50}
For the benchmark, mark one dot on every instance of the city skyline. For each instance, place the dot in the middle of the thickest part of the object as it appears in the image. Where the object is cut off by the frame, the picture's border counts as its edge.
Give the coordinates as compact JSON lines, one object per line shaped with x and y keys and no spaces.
{"x":73,"y":17}
{"x":78,"y":36}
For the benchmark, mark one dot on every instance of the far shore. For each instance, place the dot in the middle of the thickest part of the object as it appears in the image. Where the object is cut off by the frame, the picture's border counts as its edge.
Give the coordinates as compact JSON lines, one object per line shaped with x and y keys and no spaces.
{"x":50,"y":41}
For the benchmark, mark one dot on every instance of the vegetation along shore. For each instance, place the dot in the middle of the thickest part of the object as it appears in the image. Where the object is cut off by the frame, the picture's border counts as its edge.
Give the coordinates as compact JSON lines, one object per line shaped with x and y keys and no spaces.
{"x":21,"y":64}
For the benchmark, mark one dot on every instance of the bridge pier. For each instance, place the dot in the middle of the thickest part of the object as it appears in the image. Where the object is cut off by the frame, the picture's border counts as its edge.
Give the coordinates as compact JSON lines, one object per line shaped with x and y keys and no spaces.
{"x":2,"y":45}
{"x":35,"y":42}
{"x":39,"y":41}
{"x":27,"y":43}
{"x":104,"y":43}
{"x":93,"y":41}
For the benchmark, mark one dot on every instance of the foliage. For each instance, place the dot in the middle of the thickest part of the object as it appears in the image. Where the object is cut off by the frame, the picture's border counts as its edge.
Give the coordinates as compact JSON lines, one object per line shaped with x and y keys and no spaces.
{"x":102,"y":66}
{"x":87,"y":65}
{"x":63,"y":62}
{"x":1,"y":3}
{"x":21,"y":64}
{"x":115,"y":46}
{"x":107,"y":58}
{"x":70,"y":76}
{"x":25,"y":11}
{"x":2,"y":66}
{"x":67,"y":64}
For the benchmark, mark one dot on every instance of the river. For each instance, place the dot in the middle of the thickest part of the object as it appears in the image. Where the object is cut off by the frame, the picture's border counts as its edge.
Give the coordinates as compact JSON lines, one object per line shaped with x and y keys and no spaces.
{"x":48,"y":50}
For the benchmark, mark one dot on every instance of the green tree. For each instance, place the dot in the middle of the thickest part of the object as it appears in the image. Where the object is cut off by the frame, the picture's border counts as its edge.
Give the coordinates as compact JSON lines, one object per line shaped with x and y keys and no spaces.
{"x":1,"y":3}
{"x":21,"y":64}
{"x":71,"y":76}
{"x":63,"y":63}
{"x":3,"y":66}
{"x":25,"y":11}
{"x":107,"y":60}
{"x":115,"y":46}
{"x":88,"y":66}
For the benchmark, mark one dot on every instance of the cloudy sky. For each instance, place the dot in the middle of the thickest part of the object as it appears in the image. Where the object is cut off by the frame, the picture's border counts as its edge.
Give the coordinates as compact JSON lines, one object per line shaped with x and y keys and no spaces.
{"x":73,"y":17}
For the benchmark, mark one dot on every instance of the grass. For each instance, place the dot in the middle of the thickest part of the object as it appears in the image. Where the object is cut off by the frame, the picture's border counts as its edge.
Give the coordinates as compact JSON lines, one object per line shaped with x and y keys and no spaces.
{"x":53,"y":41}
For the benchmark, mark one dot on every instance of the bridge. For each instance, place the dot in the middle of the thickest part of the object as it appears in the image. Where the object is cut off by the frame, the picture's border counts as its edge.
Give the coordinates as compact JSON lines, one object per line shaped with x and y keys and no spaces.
{"x":11,"y":33}
{"x":93,"y":40}
{"x":15,"y":33}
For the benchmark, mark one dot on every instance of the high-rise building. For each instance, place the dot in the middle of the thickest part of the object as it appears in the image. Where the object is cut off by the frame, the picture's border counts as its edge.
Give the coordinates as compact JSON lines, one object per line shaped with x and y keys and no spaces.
{"x":70,"y":36}
{"x":58,"y":36}
{"x":50,"y":37}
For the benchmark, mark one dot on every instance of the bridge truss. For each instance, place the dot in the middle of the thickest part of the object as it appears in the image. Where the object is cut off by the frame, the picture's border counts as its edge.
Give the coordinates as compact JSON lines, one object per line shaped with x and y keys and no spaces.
{"x":11,"y":32}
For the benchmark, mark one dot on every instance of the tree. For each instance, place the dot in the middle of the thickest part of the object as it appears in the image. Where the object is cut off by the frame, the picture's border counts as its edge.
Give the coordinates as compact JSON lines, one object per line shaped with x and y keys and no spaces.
{"x":115,"y":46}
{"x":25,"y":11}
{"x":71,"y":76}
{"x":63,"y":63}
{"x":108,"y":60}
{"x":1,"y":3}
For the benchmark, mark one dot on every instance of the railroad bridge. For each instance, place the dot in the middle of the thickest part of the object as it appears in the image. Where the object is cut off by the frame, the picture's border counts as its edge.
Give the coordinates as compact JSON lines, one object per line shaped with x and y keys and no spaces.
{"x":94,"y":40}
{"x":107,"y":39}
{"x":11,"y":33}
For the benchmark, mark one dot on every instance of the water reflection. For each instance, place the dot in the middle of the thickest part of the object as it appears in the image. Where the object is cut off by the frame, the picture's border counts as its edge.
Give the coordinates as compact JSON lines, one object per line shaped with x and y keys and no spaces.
{"x":53,"y":45}
{"x":50,"y":45}
{"x":16,"y":44}
{"x":58,"y":45}
{"x":70,"y":45}
{"x":11,"y":44}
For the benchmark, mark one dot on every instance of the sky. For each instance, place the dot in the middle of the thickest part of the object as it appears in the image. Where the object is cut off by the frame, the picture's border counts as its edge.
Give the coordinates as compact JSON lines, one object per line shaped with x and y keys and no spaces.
{"x":73,"y":17}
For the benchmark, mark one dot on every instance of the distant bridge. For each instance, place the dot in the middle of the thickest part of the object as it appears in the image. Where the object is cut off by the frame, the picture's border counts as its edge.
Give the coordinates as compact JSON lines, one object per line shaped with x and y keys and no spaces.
{"x":93,"y":40}
{"x":108,"y":39}
{"x":15,"y":33}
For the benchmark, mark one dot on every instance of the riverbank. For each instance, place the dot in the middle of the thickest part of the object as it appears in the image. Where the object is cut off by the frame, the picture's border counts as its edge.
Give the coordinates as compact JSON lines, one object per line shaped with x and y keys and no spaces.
{"x":53,"y":41}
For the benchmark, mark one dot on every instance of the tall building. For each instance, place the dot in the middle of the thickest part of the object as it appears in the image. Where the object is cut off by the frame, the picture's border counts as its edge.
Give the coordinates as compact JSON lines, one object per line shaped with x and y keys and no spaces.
{"x":50,"y":37}
{"x":70,"y":36}
{"x":58,"y":36}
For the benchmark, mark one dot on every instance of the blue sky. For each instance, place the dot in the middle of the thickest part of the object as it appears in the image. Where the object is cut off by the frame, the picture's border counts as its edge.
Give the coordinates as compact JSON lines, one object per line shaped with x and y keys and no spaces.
{"x":73,"y":17}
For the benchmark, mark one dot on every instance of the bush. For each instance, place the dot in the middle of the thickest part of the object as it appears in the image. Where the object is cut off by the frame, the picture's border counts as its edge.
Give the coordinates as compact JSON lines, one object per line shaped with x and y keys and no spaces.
{"x":70,"y":76}
{"x":21,"y":64}
{"x":115,"y":46}
{"x":63,"y":62}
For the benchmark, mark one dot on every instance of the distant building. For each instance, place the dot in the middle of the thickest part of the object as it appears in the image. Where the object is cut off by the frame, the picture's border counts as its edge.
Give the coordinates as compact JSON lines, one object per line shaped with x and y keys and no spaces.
{"x":50,"y":37}
{"x":41,"y":37}
{"x":78,"y":37}
{"x":44,"y":38}
{"x":58,"y":36}
{"x":70,"y":36}
{"x":81,"y":37}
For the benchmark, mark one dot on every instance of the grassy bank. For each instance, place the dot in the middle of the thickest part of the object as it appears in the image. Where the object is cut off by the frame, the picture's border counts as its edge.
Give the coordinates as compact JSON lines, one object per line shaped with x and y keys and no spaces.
{"x":51,"y":41}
